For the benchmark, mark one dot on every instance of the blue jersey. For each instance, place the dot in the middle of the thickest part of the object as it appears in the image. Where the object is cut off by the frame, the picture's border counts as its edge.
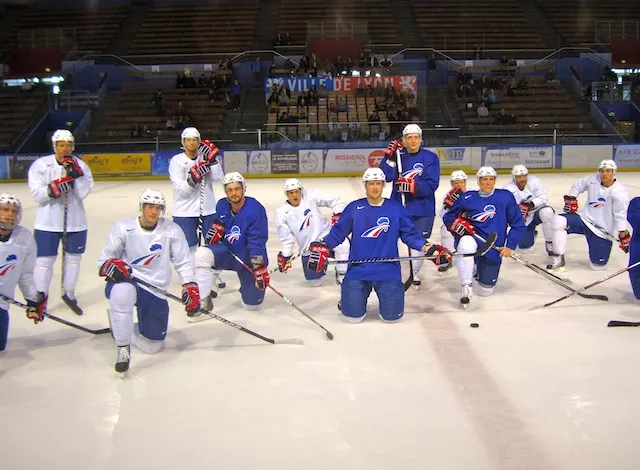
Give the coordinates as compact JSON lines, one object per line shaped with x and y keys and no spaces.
{"x":246,"y":232}
{"x":491,"y":214}
{"x":375,"y":232}
{"x":424,"y":168}
{"x":633,"y":216}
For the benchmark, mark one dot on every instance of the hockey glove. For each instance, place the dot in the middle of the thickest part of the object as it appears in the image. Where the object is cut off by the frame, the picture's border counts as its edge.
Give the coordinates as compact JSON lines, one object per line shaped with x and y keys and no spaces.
{"x":215,"y":233}
{"x":406,"y":185}
{"x":570,"y":204}
{"x":60,"y":186}
{"x":441,"y":255}
{"x":209,"y":152}
{"x":197,"y":172}
{"x":390,"y":153}
{"x":191,"y":298}
{"x":318,"y":258}
{"x":284,"y":263}
{"x":72,"y":167}
{"x":625,"y":241}
{"x":37,"y":309}
{"x":525,"y":208}
{"x":452,"y":196}
{"x":335,"y":218}
{"x":462,"y":227}
{"x":262,"y":277}
{"x":116,"y":270}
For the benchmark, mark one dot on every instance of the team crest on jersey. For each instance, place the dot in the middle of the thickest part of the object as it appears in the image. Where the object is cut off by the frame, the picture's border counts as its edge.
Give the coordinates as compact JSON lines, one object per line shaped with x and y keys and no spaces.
{"x":233,"y":235}
{"x":413,"y":172}
{"x":599,"y":203}
{"x":488,"y":212}
{"x":382,"y":225}
{"x":307,"y":219}
{"x":10,"y":263}
{"x":146,"y":260}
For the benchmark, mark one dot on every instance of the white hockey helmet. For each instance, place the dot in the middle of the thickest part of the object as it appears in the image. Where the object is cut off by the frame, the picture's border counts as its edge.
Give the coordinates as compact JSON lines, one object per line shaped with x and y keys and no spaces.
{"x":486,"y":171}
{"x":608,"y":165}
{"x":189,"y":133}
{"x":292,"y":184}
{"x":458,"y":175}
{"x":519,"y":170}
{"x":234,"y":177}
{"x":373,"y":174}
{"x":153,"y":196}
{"x":8,"y":199}
{"x":63,"y":135}
{"x":412,"y":129}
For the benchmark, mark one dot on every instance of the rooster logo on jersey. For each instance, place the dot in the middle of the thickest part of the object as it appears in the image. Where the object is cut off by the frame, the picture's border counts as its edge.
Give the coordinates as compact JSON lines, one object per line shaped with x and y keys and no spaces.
{"x":599,"y":203}
{"x":146,"y":260}
{"x":233,"y":235}
{"x":307,"y":220}
{"x":414,"y":172}
{"x":488,"y":212}
{"x":11,"y":262}
{"x":382,"y":225}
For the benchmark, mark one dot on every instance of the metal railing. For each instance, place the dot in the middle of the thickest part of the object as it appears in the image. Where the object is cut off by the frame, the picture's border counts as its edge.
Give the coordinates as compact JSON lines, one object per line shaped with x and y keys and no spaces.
{"x":336,"y":30}
{"x":616,"y":29}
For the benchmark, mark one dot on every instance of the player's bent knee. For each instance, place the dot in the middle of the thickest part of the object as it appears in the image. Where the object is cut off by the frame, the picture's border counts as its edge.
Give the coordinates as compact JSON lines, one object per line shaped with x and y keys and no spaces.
{"x":122,"y":297}
{"x":353,"y":319}
{"x":391,"y":319}
{"x":484,"y":291}
{"x":204,"y":258}
{"x":546,"y":214}
{"x":597,"y":267}
{"x":250,"y":306}
{"x":467,"y":245}
{"x":559,"y":223}
{"x":316,"y":282}
{"x":144,"y":344}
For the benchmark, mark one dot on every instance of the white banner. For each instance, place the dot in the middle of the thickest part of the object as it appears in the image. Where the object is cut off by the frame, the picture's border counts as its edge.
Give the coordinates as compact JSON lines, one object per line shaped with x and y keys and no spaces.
{"x":352,"y":160}
{"x":311,"y":161}
{"x":453,"y":157}
{"x":506,"y":157}
{"x":235,"y":160}
{"x":260,"y":162}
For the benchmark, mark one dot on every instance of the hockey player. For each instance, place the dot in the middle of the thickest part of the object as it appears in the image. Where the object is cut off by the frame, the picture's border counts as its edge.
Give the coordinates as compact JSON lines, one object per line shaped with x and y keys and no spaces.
{"x":633,"y":216}
{"x":458,"y":188}
{"x":375,"y":224}
{"x":299,"y":220}
{"x":418,"y":182}
{"x":481,"y":212}
{"x":18,"y":255}
{"x":240,"y":225}
{"x":603,"y":216}
{"x":59,"y":183}
{"x":531,"y":196}
{"x":142,"y":247}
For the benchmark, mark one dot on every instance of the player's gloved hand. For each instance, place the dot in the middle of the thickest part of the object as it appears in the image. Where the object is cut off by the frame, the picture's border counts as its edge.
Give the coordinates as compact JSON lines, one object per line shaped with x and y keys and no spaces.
{"x":525,"y":208}
{"x":262,"y":277}
{"x":72,"y":167}
{"x":318,"y":257}
{"x":570,"y":204}
{"x":461,"y":227}
{"x":335,"y":218}
{"x":390,"y":153}
{"x":191,"y":298}
{"x":197,"y":172}
{"x":37,"y":309}
{"x":116,"y":270}
{"x":209,"y":152}
{"x":406,"y":185}
{"x":452,"y":196}
{"x":215,"y":233}
{"x":441,"y":256}
{"x":284,"y":263}
{"x":625,"y":241}
{"x":60,"y":186}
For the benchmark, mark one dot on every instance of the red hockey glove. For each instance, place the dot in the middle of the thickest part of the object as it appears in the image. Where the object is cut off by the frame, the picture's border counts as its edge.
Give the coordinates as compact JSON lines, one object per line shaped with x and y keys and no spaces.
{"x":60,"y":186}
{"x":116,"y":270}
{"x":284,"y":263}
{"x":525,"y":208}
{"x":440,"y":253}
{"x":197,"y":172}
{"x":462,"y":227}
{"x":209,"y":152}
{"x":215,"y":233}
{"x":335,"y":218}
{"x":452,"y":196}
{"x":72,"y":167}
{"x":318,"y":258}
{"x":37,"y":309}
{"x":406,"y":185}
{"x":390,"y":153}
{"x":570,"y":204}
{"x":191,"y":298}
{"x":625,"y":241}
{"x":262,"y":277}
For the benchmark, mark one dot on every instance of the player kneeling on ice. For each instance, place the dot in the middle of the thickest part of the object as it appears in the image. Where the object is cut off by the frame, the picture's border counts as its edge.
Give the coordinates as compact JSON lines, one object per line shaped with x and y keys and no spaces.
{"x":604,"y":215}
{"x":142,"y":247}
{"x":299,"y":220}
{"x":633,"y":216}
{"x":458,"y":188}
{"x":240,"y":228}
{"x":475,"y":215}
{"x":375,"y":224}
{"x":18,"y":255}
{"x":529,"y":193}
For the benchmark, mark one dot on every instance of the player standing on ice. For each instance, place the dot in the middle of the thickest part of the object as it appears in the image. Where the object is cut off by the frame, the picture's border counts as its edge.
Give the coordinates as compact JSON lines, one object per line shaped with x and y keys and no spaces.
{"x":418,"y":182}
{"x":18,"y":258}
{"x":531,"y":196}
{"x":192,"y":174}
{"x":299,"y":220}
{"x":604,"y":215}
{"x":375,"y":224}
{"x":633,"y":216}
{"x":59,"y":183}
{"x":481,"y":212}
{"x":143,"y":247}
{"x":241,"y":225}
{"x":458,"y":188}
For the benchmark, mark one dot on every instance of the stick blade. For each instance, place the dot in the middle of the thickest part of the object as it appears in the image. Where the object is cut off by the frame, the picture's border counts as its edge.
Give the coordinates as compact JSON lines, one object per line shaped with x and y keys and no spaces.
{"x":288,"y":341}
{"x":488,"y":244}
{"x":622,"y":323}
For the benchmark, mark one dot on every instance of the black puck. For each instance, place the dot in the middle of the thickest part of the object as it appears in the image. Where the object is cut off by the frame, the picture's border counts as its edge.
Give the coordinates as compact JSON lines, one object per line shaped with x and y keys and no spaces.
{"x":474,"y":325}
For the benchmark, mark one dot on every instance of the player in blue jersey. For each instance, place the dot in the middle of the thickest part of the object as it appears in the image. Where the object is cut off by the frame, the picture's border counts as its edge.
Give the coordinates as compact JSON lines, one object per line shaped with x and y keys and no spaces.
{"x":375,"y":224}
{"x":418,"y":182}
{"x":633,"y":216}
{"x":240,"y":225}
{"x":482,"y":212}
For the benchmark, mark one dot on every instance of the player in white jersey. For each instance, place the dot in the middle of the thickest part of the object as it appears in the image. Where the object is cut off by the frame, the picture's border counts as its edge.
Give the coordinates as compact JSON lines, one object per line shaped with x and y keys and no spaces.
{"x":603,"y":219}
{"x":458,"y":181}
{"x":299,"y":220}
{"x":17,"y":260}
{"x":143,"y":247}
{"x":531,"y":196}
{"x":59,"y":183}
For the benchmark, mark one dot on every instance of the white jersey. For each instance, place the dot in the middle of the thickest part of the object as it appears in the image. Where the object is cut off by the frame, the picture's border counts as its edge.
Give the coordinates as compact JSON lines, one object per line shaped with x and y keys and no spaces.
{"x":50,"y":215}
{"x":149,"y":252}
{"x":186,"y":200}
{"x":533,"y":192}
{"x":17,"y":260}
{"x":305,"y":223}
{"x":606,"y":207}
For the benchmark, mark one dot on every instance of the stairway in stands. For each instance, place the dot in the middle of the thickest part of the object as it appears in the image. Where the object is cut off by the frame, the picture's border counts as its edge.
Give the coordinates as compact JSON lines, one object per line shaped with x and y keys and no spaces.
{"x":137,"y":14}
{"x":266,"y":24}
{"x":408,"y":31}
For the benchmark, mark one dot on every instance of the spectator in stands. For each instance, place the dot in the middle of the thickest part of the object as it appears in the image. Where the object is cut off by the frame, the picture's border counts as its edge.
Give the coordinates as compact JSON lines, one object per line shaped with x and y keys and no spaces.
{"x":145,"y":132}
{"x":302,"y":113}
{"x":386,"y":62}
{"x":372,"y":61}
{"x":374,"y":116}
{"x":313,"y":96}
{"x":179,"y":80}
{"x":135,"y":131}
{"x":235,"y":95}
{"x":211,"y":96}
{"x":512,"y":118}
{"x":272,"y":70}
{"x":512,"y":86}
{"x":202,"y":81}
{"x":180,"y":110}
{"x":171,"y":123}
{"x":483,"y":111}
{"x":335,"y":129}
{"x":354,"y":129}
{"x":314,"y":63}
{"x":483,"y":82}
{"x":478,"y":53}
{"x":522,"y":83}
{"x":158,"y":101}
{"x":431,"y":67}
{"x":550,"y":76}
{"x":255,"y":70}
{"x":284,"y":94}
{"x":287,"y":39}
{"x":303,"y":100}
{"x":278,"y":41}
{"x":502,"y":118}
{"x":189,"y":81}
{"x":349,"y":66}
{"x":283,"y":118}
{"x":469,"y":92}
{"x":362,"y":62}
{"x":322,"y":91}
{"x":339,"y":65}
{"x":342,"y":105}
{"x":492,"y":98}
{"x":332,"y":108}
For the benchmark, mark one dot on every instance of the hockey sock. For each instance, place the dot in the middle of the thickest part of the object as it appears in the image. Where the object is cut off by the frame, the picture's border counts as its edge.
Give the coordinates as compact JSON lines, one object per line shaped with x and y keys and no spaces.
{"x":71,"y":273}
{"x":417,"y":264}
{"x":121,"y":301}
{"x":446,"y":239}
{"x":43,"y":272}
{"x":464,"y":264}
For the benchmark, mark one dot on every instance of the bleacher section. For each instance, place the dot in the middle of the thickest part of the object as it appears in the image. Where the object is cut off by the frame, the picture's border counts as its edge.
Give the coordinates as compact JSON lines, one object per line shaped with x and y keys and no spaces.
{"x":16,"y":110}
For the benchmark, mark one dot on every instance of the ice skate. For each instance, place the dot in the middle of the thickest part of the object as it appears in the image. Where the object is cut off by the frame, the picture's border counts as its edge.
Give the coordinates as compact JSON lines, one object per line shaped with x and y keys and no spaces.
{"x":465,"y":295}
{"x":72,"y":303}
{"x":549,"y":247}
{"x":445,"y":269}
{"x":124,"y":357}
{"x":416,"y":280}
{"x":557,"y":264}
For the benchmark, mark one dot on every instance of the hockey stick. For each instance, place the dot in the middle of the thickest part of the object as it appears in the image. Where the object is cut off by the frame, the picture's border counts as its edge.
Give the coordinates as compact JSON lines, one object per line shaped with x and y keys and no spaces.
{"x":623,"y":323}
{"x":545,"y":274}
{"x":408,"y":283}
{"x":239,"y":260}
{"x":610,"y":236}
{"x":199,"y":233}
{"x":589,"y":286}
{"x":59,"y":320}
{"x":217,"y":317}
{"x":65,"y":200}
